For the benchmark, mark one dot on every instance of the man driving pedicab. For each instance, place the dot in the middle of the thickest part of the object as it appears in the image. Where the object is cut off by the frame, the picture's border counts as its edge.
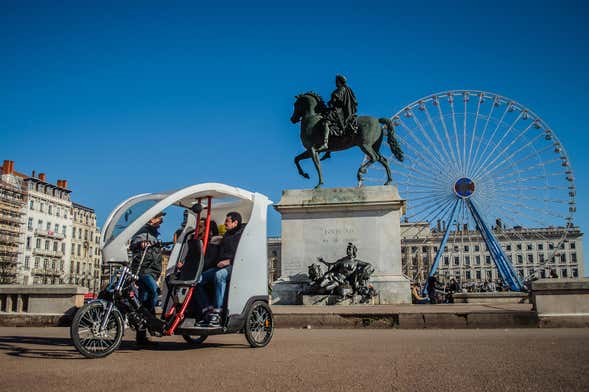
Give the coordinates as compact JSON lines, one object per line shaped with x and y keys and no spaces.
{"x":147,"y":261}
{"x":219,"y":275}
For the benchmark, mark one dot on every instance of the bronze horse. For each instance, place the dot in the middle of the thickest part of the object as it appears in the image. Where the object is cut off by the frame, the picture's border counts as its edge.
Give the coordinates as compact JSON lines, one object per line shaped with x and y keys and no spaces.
{"x":309,"y":108}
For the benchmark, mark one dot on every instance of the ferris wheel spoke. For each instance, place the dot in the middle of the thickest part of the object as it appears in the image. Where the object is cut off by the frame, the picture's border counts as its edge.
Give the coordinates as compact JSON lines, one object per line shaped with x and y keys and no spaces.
{"x":473,"y":133}
{"x":492,"y":154}
{"x":533,"y":154}
{"x":432,"y":158}
{"x":435,"y":184}
{"x":528,"y":179}
{"x":438,"y":138}
{"x":524,"y":170}
{"x":429,"y":139}
{"x":431,"y":216}
{"x":428,"y":174}
{"x":484,"y":154}
{"x":431,"y":203}
{"x":507,"y":132}
{"x":533,"y":209}
{"x":457,"y":143}
{"x":438,"y":104}
{"x":427,"y":207}
{"x":483,"y":133}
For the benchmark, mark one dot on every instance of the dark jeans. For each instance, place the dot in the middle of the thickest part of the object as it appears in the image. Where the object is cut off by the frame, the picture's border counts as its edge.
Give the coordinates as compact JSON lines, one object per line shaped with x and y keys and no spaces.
{"x":217,"y":277}
{"x":148,"y":292}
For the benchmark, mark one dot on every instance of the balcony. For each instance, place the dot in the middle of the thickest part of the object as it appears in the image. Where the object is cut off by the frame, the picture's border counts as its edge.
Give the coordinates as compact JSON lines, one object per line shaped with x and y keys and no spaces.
{"x":11,"y":239}
{"x":48,"y":253}
{"x":49,"y":234}
{"x":11,"y":219}
{"x":11,"y":229}
{"x":47,"y":272}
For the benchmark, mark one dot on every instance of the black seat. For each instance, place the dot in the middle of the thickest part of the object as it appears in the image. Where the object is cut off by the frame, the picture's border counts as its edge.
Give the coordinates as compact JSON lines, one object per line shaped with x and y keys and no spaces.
{"x":193,"y":265}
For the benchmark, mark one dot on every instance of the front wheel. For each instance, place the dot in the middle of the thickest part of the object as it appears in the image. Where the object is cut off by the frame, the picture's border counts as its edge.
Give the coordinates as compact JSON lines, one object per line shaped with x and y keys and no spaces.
{"x":85,"y":330}
{"x":259,"y":325}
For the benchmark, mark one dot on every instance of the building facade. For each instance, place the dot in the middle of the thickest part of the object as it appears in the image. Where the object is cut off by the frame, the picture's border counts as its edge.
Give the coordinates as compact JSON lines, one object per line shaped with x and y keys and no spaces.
{"x":85,"y":250}
{"x":46,"y":232}
{"x":532,"y":251}
{"x":12,"y":201}
{"x":536,"y":252}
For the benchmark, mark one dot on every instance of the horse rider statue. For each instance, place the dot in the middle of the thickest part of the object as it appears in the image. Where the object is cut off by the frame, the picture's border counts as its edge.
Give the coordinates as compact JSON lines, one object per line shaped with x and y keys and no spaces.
{"x":340,"y":117}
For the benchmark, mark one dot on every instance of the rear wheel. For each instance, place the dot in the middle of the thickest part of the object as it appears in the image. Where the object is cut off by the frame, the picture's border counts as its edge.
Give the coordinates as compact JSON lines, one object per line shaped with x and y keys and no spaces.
{"x":195,"y":340}
{"x":85,"y":330}
{"x":259,"y":325}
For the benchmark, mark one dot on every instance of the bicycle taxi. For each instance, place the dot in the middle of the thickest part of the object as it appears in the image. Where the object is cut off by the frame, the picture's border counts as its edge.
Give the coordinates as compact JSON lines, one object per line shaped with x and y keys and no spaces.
{"x":98,"y":327}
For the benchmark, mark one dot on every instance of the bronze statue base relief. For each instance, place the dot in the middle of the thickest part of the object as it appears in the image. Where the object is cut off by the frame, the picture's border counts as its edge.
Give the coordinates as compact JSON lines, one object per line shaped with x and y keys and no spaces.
{"x":322,"y":223}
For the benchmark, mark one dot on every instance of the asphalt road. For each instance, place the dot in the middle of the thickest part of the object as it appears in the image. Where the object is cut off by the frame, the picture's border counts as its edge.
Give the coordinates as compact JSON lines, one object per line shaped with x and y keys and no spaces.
{"x":42,"y":359}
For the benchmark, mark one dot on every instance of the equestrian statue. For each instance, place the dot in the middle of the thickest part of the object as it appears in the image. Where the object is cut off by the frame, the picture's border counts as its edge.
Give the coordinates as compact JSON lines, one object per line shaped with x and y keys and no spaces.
{"x":336,"y":127}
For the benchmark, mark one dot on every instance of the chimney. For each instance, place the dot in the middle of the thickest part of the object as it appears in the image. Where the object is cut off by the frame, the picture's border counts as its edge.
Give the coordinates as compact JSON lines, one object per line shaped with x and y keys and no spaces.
{"x":42,"y":177}
{"x":33,"y":174}
{"x":6,"y":167}
{"x":64,"y":184}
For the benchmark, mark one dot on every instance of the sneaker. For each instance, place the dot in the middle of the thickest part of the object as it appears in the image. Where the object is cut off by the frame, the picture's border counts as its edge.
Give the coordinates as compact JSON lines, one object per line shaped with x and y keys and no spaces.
{"x":204,"y":323}
{"x":214,"y":320}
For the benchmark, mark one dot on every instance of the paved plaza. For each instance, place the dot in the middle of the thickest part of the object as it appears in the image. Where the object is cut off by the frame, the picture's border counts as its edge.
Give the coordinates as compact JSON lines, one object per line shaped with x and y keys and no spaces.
{"x":42,"y":359}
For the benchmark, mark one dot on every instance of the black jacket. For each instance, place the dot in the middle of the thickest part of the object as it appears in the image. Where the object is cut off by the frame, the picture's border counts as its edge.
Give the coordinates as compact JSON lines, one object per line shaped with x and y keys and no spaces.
{"x":229,"y":243}
{"x":152,"y":263}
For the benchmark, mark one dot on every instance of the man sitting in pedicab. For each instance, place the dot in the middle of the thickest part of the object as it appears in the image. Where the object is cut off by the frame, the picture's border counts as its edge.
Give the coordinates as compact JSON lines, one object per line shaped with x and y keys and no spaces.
{"x":218,"y":276}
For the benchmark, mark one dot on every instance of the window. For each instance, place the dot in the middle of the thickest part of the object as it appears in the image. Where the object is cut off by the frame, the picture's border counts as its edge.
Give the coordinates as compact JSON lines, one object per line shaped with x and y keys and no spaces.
{"x":32,"y":205}
{"x":30,"y":224}
{"x":48,"y":226}
{"x":456,"y":260}
{"x":46,"y":263}
{"x":56,"y":228}
{"x":477,"y":248}
{"x":564,"y":273}
{"x":550,"y":246}
{"x":47,"y":243}
{"x":575,"y":273}
{"x":574,"y":258}
{"x":508,"y":247}
{"x":520,"y":272}
{"x":489,"y":275}
{"x":27,"y":261}
{"x":50,"y":209}
{"x":38,"y":243}
{"x":446,"y":260}
{"x":478,"y":275}
{"x":561,"y":245}
{"x":572,"y":245}
{"x":79,"y":249}
{"x":467,"y":275}
{"x":37,"y":260}
{"x":529,"y":247}
{"x":530,"y":258}
{"x":61,"y":265}
{"x":467,"y":260}
{"x":73,"y":232}
{"x":58,"y":212}
{"x":42,"y":207}
{"x":55,"y":245}
{"x":563,"y":258}
{"x":540,"y":246}
{"x":63,"y":230}
{"x":29,"y":240}
{"x":487,"y":259}
{"x":520,"y":259}
{"x":63,"y":248}
{"x":456,"y":248}
{"x":477,"y":260}
{"x":466,"y":248}
{"x":423,"y":248}
{"x":73,"y":249}
{"x":519,"y":246}
{"x":542,"y":274}
{"x":53,"y":265}
{"x":530,"y":271}
{"x":541,"y":257}
{"x":413,"y":249}
{"x":39,"y":224}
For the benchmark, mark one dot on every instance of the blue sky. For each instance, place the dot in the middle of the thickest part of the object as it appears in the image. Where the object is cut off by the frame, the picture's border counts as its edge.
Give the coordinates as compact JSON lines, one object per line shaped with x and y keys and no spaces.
{"x":128,"y":97}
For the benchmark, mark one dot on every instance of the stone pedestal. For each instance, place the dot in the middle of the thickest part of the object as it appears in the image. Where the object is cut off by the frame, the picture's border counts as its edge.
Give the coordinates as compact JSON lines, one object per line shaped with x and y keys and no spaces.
{"x":321,"y":222}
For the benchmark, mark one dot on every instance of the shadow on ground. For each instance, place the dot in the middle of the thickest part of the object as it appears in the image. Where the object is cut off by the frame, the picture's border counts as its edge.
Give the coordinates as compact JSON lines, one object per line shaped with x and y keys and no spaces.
{"x":63,"y":348}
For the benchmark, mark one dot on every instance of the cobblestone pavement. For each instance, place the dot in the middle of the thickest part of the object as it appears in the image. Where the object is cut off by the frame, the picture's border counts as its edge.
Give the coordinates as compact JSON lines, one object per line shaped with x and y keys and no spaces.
{"x":42,"y":359}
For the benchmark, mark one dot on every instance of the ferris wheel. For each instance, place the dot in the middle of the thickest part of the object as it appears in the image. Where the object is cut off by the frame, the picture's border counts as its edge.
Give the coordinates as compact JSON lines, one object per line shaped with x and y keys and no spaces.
{"x":478,"y":163}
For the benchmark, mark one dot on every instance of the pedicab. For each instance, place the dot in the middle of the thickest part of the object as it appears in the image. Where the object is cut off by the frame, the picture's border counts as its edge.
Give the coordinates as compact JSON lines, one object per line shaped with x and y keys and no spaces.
{"x":98,"y":327}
